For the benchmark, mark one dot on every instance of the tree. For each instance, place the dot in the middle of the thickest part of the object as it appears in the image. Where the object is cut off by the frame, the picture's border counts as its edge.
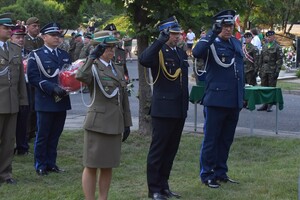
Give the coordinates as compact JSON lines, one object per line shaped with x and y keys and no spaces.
{"x":46,"y":11}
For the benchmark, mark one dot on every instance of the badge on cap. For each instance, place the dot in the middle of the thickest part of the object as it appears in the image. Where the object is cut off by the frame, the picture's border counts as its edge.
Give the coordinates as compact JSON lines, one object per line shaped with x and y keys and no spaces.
{"x":2,"y":61}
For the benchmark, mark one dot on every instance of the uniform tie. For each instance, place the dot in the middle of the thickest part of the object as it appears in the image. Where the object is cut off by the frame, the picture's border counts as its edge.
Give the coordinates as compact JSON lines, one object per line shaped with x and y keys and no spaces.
{"x":54,"y":53}
{"x":5,"y":48}
{"x":112,"y":69}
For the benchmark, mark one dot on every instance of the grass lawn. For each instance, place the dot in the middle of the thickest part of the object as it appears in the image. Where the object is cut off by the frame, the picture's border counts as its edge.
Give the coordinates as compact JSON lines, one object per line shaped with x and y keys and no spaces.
{"x":267,"y":168}
{"x":285,"y":85}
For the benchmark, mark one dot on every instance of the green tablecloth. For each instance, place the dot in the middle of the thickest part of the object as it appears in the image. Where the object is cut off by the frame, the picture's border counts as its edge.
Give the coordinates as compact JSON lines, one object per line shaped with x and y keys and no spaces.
{"x":254,"y":95}
{"x":260,"y":95}
{"x":196,"y":94}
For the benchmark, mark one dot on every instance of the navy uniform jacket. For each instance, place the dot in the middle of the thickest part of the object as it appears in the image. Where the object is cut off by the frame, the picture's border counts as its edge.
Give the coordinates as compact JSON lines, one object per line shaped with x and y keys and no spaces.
{"x":44,"y":100}
{"x":170,"y":98}
{"x":224,"y":86}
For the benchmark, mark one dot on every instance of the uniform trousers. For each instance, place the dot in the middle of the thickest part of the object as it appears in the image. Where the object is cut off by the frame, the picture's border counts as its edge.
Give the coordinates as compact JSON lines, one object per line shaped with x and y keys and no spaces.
{"x":7,"y":141}
{"x":219,"y":128}
{"x":268,"y":79}
{"x":250,"y":77}
{"x":50,"y":126}
{"x":21,"y":131}
{"x":165,"y":141}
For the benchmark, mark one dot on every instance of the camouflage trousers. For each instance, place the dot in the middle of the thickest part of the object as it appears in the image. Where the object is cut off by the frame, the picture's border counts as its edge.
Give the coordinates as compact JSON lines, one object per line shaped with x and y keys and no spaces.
{"x":268,"y":79}
{"x":250,"y":78}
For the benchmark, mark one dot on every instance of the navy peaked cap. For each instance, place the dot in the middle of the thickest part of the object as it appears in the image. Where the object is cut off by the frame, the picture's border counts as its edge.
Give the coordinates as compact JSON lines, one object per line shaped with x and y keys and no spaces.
{"x":226,"y":15}
{"x":170,"y":23}
{"x":248,"y":35}
{"x":51,"y":28}
{"x":269,"y":33}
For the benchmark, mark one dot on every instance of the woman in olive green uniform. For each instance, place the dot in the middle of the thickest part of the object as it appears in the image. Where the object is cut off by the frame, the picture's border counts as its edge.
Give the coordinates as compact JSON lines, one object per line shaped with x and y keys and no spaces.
{"x":107,"y":118}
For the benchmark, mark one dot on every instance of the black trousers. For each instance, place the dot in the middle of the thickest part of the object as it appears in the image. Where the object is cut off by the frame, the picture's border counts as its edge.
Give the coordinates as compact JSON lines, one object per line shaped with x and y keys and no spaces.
{"x":21,"y":131}
{"x":166,"y":136}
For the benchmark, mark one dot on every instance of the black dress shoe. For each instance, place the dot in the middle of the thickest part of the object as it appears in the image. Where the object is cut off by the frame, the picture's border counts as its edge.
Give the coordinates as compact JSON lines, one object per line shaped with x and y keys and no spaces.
{"x":212,"y":183}
{"x":158,"y":196}
{"x":41,"y":172}
{"x":263,"y":107}
{"x":227,"y":180}
{"x":55,"y":169}
{"x":11,"y":181}
{"x":269,"y":108}
{"x":168,"y":193}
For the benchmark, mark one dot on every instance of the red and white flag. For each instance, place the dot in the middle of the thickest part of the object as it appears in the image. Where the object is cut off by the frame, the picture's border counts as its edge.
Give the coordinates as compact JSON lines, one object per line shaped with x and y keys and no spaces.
{"x":237,"y":27}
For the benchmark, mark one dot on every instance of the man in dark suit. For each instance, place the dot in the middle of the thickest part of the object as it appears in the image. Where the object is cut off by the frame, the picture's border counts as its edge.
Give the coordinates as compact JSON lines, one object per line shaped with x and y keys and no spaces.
{"x":32,"y":41}
{"x":169,"y":105}
{"x":51,"y":100}
{"x":223,"y":97}
{"x":22,"y":147}
{"x":13,"y":96}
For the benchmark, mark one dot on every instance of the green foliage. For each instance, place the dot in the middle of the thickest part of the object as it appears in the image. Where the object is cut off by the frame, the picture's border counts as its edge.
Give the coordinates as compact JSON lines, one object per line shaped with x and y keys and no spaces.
{"x":47,"y":11}
{"x":267,"y":168}
{"x":298,"y":73}
{"x":18,"y":12}
{"x":103,"y":11}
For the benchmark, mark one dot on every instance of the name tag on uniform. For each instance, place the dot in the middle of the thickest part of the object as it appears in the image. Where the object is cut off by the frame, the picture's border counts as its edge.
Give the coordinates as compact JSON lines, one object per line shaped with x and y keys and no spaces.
{"x":106,"y":78}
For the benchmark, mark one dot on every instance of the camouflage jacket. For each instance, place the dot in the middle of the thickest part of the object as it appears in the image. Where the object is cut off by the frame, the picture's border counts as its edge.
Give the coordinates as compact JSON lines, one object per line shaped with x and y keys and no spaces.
{"x":251,"y":57}
{"x":86,"y":50}
{"x":271,"y":58}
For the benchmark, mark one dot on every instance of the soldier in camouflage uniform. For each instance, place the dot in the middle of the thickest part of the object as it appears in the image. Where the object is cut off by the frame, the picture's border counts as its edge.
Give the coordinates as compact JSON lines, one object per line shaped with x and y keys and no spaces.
{"x":75,"y":48}
{"x":87,"y":46}
{"x":270,"y":63}
{"x":251,"y":60}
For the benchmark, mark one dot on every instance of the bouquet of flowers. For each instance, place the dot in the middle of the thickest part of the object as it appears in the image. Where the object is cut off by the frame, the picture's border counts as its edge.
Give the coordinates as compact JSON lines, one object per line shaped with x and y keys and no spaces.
{"x":67,"y":78}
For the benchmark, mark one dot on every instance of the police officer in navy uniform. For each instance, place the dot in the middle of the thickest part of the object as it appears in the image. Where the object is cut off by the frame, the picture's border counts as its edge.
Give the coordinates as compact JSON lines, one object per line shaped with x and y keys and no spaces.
{"x":51,"y":100}
{"x":223,"y":97}
{"x":169,"y":67}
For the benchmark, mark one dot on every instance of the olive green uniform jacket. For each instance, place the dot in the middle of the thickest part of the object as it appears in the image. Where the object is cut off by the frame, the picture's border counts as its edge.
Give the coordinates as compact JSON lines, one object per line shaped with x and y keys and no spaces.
{"x":13,"y":94}
{"x":106,"y":115}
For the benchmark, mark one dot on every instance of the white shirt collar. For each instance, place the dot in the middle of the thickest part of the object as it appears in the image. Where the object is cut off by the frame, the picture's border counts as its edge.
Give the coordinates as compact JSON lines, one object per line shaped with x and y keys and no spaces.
{"x":50,"y":49}
{"x":105,"y":63}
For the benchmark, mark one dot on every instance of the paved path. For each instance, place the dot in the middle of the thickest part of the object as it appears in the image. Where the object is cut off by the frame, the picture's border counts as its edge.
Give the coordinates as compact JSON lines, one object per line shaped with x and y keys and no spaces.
{"x":75,"y":121}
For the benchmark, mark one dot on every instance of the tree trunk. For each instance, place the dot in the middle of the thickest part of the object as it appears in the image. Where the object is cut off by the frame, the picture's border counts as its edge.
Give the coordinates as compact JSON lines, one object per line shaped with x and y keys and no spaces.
{"x":145,"y":93}
{"x":139,"y":17}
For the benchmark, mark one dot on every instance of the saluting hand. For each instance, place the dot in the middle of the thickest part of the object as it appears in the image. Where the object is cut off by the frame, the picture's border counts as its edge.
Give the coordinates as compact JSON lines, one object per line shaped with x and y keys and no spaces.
{"x":97,"y":52}
{"x":217,"y":27}
{"x":164,"y":35}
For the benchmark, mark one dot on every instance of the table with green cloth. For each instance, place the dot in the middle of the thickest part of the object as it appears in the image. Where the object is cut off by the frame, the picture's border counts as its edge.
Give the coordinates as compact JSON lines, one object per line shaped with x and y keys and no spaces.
{"x":264,"y":95}
{"x":195,"y":97}
{"x":254,"y":95}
